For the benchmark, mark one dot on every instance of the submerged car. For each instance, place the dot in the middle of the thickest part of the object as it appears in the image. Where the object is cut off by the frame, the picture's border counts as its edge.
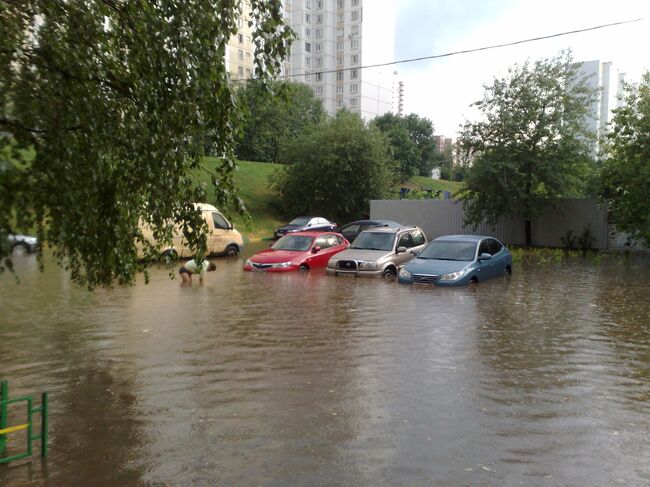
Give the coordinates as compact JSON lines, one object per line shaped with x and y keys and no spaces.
{"x":298,"y":252}
{"x":353,"y":229}
{"x":378,"y":252}
{"x":457,"y":260}
{"x":22,"y":244}
{"x":306,"y":223}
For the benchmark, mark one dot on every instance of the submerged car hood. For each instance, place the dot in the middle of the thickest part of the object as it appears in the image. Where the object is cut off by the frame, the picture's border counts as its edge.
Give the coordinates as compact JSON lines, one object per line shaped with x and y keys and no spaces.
{"x":360,"y":254}
{"x":271,"y":256}
{"x":435,"y":267}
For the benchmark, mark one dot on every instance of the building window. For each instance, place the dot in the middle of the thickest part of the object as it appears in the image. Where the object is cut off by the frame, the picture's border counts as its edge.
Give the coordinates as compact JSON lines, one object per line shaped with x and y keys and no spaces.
{"x":354,"y":88}
{"x":307,"y":32}
{"x":318,"y":47}
{"x":339,"y":61}
{"x":248,"y":73}
{"x":240,"y":22}
{"x":354,"y":15}
{"x":355,"y":3}
{"x":307,"y":18}
{"x":307,"y":76}
{"x":354,"y":30}
{"x":307,"y":47}
{"x":354,"y":102}
{"x":354,"y":44}
{"x":318,"y":61}
{"x":318,"y":90}
{"x":319,"y":76}
{"x":354,"y":73}
{"x":319,"y":19}
{"x":339,"y":89}
{"x":340,"y":17}
{"x":308,"y":3}
{"x":340,"y":3}
{"x":307,"y":61}
{"x":319,"y":33}
{"x":240,"y":71}
{"x":340,"y":45}
{"x":319,"y":3}
{"x":339,"y":75}
{"x":240,"y":55}
{"x":354,"y":59}
{"x":339,"y":103}
{"x":241,"y":38}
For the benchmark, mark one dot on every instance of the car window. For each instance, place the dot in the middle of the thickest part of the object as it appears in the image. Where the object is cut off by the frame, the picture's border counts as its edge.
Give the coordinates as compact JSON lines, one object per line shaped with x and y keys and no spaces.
{"x":327,"y":241}
{"x":220,"y":221}
{"x":406,"y":240}
{"x":495,"y":246}
{"x":301,"y":220}
{"x":351,"y":229}
{"x":484,"y":247}
{"x":418,"y":238}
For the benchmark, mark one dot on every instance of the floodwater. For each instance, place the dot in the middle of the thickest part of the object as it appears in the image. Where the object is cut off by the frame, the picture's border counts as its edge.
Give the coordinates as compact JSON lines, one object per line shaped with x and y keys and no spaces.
{"x":255,"y":379}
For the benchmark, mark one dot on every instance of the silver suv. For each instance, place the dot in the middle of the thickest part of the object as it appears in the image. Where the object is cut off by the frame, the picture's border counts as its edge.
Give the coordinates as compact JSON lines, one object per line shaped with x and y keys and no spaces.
{"x":378,"y":252}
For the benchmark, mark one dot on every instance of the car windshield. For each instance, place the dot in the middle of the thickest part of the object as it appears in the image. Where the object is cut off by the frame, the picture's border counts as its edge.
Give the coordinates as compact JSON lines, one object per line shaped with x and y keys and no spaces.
{"x":293,"y":242}
{"x":374,"y":241}
{"x":449,"y":250}
{"x":301,"y":220}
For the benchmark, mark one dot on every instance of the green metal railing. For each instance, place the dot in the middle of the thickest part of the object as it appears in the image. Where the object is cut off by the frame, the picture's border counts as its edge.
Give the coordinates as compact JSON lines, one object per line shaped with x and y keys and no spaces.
{"x":6,"y":430}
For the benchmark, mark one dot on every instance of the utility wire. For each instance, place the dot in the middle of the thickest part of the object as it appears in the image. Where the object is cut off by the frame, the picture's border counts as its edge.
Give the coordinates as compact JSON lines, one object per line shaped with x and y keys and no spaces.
{"x":466,"y":51}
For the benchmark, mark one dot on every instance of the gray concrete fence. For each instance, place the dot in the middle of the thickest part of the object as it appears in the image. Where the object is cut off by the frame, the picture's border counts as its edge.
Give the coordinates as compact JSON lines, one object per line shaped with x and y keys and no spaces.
{"x":446,"y":217}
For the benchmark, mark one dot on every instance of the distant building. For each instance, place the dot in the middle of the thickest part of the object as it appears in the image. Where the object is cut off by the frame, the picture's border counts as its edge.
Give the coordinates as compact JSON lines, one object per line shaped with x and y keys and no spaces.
{"x":600,"y":76}
{"x":443,"y":143}
{"x":335,"y":39}
{"x":241,"y":51}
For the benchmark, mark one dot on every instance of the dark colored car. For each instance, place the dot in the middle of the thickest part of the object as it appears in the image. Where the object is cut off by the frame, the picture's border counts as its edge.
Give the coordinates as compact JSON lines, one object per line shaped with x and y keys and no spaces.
{"x":298,"y":252}
{"x":353,"y":229}
{"x":306,"y":224}
{"x":456,"y":260}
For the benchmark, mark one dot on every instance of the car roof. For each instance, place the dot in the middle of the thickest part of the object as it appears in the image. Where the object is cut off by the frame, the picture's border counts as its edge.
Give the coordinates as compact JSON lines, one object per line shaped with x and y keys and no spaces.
{"x":389,"y":229}
{"x":465,"y":238}
{"x":204,"y":207}
{"x":380,"y":222}
{"x":312,"y":233}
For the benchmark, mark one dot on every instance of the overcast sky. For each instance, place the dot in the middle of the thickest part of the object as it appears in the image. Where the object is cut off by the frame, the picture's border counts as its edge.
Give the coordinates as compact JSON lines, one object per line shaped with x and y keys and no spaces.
{"x":443,"y":89}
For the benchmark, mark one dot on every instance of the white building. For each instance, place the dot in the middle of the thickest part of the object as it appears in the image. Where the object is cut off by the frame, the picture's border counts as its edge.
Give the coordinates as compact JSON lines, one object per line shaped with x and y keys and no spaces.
{"x":335,"y":38}
{"x":601,"y":76}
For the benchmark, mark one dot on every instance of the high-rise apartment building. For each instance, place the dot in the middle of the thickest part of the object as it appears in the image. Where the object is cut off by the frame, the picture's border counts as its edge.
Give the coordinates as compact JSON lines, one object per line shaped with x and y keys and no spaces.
{"x":335,"y":40}
{"x":600,"y":76}
{"x":240,"y":50}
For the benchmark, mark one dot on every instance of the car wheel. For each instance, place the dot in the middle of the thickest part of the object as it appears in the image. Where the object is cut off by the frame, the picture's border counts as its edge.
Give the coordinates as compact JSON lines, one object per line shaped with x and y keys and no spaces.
{"x":507,"y":271}
{"x":232,"y":251}
{"x":389,"y":274}
{"x":303,"y":269}
{"x":20,"y":249}
{"x":473,"y":282}
{"x":169,"y":256}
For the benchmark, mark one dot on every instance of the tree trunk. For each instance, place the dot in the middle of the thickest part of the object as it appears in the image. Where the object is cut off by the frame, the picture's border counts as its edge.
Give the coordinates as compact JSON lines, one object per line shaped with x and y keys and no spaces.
{"x":529,"y":232}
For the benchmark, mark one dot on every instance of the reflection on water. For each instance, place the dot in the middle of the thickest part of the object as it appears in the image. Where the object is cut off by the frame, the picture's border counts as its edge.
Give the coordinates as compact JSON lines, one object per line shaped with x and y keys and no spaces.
{"x":255,"y":379}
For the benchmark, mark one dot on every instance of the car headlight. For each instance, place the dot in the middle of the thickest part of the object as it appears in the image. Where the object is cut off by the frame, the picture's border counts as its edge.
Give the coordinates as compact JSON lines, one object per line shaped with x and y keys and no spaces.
{"x":281,"y":265}
{"x":452,"y":276}
{"x":367,"y":266}
{"x":404,"y":274}
{"x":331,"y":264}
{"x":248,"y":262}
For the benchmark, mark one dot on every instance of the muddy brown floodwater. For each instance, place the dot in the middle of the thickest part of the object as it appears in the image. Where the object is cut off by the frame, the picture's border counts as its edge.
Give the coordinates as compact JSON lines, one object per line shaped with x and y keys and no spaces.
{"x":256,"y":379}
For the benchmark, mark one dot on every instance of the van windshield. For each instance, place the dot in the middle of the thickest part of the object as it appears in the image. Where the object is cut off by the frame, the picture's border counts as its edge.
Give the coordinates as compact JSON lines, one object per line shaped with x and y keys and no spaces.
{"x":374,"y":241}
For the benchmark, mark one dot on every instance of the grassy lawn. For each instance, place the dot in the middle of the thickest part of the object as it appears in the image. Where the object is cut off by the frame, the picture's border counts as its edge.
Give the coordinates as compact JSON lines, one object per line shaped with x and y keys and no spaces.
{"x":252,"y":180}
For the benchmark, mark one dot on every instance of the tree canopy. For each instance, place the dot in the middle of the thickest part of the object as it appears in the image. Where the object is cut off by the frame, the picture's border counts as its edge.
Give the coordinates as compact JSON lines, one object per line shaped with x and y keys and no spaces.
{"x":532,"y":146}
{"x":119,"y":101}
{"x":336,"y":168}
{"x":273,"y":115}
{"x":626,"y":169}
{"x":411,"y":143}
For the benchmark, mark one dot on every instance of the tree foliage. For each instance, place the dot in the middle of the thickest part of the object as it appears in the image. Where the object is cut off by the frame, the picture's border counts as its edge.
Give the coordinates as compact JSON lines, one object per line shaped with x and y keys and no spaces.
{"x":274,"y":115}
{"x":532,"y":146}
{"x":120,"y":101}
{"x":626,"y":170}
{"x":336,"y":168}
{"x":411,"y":143}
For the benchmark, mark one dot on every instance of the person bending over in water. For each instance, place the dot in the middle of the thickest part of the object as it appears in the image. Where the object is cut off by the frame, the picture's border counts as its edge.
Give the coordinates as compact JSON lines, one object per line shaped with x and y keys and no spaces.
{"x":191,"y":267}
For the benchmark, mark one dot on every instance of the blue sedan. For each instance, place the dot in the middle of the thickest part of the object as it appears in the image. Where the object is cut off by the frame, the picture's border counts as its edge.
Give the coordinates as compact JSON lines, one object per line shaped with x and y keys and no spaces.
{"x":457,"y":260}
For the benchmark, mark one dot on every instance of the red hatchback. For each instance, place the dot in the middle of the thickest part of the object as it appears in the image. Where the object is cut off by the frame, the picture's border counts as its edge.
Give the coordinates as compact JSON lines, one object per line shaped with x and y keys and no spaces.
{"x":299,"y":251}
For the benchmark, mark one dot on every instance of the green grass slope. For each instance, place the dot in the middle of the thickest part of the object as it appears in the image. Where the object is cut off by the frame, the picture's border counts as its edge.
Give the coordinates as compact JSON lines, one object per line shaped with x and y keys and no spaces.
{"x":252,"y":181}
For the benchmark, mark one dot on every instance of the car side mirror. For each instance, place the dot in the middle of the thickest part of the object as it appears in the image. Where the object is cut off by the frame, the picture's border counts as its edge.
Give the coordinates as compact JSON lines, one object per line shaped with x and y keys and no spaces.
{"x":315,"y":250}
{"x":485,"y":256}
{"x":400,"y":250}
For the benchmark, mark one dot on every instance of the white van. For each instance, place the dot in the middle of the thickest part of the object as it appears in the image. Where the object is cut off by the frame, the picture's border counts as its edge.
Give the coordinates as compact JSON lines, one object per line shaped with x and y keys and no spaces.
{"x":222,"y":238}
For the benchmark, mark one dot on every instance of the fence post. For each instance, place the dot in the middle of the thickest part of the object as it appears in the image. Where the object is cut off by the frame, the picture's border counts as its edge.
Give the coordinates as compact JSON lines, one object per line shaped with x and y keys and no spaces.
{"x":4,"y":395}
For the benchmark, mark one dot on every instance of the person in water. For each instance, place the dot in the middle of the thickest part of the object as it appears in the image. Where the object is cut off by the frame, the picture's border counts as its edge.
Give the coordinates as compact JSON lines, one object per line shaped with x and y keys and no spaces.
{"x":191,"y":267}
